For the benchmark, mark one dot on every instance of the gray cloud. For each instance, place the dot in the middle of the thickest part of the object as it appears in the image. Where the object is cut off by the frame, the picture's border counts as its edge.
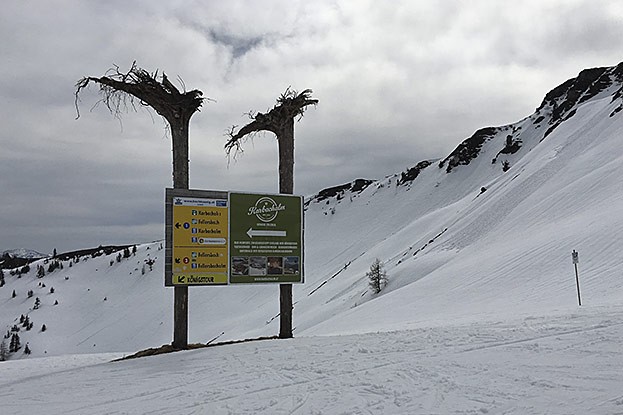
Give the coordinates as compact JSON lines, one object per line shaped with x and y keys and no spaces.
{"x":396,"y":85}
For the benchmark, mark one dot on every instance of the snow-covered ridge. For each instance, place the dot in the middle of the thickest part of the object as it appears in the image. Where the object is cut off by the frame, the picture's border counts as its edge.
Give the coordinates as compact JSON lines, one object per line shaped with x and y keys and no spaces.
{"x":23,"y":253}
{"x":509,"y":143}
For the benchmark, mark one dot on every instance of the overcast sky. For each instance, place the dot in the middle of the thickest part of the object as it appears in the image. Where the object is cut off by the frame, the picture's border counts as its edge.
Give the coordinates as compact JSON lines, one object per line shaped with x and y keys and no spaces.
{"x":397,"y":82}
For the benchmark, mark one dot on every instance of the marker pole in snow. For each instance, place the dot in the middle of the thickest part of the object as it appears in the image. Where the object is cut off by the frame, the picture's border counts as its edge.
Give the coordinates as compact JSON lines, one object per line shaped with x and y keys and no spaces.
{"x":576,"y":259}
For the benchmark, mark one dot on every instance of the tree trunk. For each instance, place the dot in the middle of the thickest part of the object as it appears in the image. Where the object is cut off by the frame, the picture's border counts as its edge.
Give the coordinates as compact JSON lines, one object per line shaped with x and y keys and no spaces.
{"x":286,"y":186}
{"x":286,"y":158}
{"x":179,"y":136}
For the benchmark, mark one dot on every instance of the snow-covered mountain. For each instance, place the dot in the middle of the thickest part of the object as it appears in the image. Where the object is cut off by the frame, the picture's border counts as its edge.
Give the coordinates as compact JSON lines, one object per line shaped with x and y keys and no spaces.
{"x":23,"y":253}
{"x":480,"y":238}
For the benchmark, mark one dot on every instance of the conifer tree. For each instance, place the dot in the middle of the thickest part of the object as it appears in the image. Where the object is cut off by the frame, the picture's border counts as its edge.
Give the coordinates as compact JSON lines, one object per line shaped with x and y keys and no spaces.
{"x":15,"y":343}
{"x":14,"y":294}
{"x":4,"y":351}
{"x":377,"y":277}
{"x":43,"y":328}
{"x":37,"y":303}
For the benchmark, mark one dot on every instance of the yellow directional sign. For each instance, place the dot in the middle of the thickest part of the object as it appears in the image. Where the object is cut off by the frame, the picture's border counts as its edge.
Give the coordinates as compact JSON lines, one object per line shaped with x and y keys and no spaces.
{"x":220,"y":238}
{"x":198,"y":229}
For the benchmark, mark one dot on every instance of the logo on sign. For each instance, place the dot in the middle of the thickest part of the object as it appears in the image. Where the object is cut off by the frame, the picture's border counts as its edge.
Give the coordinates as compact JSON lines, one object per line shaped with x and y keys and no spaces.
{"x":266,"y":209}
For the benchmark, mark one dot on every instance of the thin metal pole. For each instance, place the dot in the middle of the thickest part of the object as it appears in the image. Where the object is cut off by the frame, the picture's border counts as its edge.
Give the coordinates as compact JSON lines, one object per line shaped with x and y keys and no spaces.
{"x":577,"y":283}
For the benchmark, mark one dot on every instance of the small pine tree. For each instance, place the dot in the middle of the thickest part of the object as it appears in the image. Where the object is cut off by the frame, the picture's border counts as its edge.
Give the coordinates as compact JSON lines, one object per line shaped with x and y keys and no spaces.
{"x":37,"y":303}
{"x":14,"y":294}
{"x":15,"y":343}
{"x":505,"y":166}
{"x":51,"y":290}
{"x":27,"y":350}
{"x":40,"y":271}
{"x":377,"y":277}
{"x":4,"y":351}
{"x":43,"y":328}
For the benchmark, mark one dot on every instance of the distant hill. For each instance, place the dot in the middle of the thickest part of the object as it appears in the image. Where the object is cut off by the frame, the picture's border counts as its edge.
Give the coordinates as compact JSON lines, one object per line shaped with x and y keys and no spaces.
{"x":18,"y":257}
{"x":23,"y":253}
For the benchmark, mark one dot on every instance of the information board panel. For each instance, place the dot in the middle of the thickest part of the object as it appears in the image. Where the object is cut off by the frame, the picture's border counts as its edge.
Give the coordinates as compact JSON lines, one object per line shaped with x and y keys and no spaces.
{"x":196,"y":235}
{"x":265,"y":238}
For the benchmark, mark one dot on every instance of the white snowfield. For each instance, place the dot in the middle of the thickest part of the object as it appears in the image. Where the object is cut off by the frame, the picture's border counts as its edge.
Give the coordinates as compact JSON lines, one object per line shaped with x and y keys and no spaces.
{"x":480,"y":314}
{"x":565,"y":364}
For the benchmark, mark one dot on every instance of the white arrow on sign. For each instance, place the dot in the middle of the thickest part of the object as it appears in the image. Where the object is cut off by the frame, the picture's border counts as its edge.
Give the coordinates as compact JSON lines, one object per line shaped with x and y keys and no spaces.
{"x":257,"y":232}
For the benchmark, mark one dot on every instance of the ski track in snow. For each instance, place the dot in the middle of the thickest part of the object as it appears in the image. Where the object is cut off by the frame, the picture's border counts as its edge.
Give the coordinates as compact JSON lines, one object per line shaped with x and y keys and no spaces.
{"x":562,"y":364}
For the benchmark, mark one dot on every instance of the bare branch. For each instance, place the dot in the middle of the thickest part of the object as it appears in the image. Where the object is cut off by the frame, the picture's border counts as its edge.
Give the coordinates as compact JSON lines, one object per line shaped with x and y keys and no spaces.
{"x":290,"y":105}
{"x":119,"y":90}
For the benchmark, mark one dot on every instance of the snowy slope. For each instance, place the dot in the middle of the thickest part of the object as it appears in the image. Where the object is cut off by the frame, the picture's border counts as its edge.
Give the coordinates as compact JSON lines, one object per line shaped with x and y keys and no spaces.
{"x":455,"y":252}
{"x":555,"y":365}
{"x":103,"y":305}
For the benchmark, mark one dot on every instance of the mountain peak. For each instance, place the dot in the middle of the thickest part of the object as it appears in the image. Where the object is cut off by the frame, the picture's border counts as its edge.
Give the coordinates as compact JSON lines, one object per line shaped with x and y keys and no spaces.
{"x":23,"y":253}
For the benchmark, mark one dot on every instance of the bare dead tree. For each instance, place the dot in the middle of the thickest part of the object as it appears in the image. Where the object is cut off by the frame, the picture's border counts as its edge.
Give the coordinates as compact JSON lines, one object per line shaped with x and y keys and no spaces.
{"x":121,"y":92}
{"x":279,"y":121}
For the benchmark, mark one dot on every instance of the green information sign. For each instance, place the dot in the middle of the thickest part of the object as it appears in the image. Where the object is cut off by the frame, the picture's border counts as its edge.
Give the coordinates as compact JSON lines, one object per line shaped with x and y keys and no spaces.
{"x":265,"y":238}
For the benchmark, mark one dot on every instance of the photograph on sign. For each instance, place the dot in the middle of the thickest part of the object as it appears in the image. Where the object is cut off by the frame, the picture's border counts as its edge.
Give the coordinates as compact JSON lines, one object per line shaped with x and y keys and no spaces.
{"x":196,"y":238}
{"x":265,"y":239}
